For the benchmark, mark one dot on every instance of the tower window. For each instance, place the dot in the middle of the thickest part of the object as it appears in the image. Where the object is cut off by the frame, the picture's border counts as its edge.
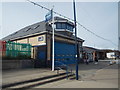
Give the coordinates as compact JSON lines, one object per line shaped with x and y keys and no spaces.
{"x":58,"y":25}
{"x":64,"y":26}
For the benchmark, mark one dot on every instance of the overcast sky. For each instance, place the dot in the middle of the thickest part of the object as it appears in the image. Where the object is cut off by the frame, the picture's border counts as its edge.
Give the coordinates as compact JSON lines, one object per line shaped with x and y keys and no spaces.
{"x":100,"y":17}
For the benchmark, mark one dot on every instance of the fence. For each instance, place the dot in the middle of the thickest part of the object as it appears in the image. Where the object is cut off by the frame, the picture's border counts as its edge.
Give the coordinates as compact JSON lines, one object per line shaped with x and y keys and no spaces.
{"x":17,"y":50}
{"x":2,"y":48}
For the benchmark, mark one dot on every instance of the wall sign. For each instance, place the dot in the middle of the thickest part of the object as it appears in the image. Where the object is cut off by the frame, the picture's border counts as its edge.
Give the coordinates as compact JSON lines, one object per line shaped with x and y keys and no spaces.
{"x":48,"y":16}
{"x":41,"y":38}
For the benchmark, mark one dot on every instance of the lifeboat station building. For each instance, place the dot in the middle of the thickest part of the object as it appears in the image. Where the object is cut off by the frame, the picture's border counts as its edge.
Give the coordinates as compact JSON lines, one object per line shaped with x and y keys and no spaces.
{"x":39,"y":35}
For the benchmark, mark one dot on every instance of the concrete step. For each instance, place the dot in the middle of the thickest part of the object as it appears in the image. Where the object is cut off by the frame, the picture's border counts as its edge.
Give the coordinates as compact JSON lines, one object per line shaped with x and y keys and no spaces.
{"x":39,"y":81}
{"x":72,"y":77}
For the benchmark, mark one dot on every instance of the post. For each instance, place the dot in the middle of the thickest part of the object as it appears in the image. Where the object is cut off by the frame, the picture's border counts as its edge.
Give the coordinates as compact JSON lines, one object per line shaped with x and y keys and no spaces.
{"x":53,"y":42}
{"x":77,"y":77}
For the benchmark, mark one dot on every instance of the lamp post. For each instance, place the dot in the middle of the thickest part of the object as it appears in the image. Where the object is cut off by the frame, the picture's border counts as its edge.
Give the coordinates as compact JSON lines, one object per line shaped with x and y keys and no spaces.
{"x":76,"y":55}
{"x":53,"y":58}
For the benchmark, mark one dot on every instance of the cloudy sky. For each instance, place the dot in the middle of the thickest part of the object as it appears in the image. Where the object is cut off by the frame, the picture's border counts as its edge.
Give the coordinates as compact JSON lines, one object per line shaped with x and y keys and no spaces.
{"x":100,"y":17}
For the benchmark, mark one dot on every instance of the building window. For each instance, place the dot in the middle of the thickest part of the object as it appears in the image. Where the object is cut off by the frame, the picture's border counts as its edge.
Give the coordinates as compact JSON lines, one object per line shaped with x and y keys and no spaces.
{"x":69,"y":27}
{"x":64,"y":26}
{"x":58,"y":26}
{"x":28,"y":29}
{"x":36,"y":27}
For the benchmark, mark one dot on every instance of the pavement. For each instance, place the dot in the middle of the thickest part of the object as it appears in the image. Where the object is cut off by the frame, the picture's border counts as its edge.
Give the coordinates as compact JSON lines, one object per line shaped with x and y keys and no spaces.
{"x":14,"y":76}
{"x":104,"y":78}
{"x":102,"y":75}
{"x":90,"y":76}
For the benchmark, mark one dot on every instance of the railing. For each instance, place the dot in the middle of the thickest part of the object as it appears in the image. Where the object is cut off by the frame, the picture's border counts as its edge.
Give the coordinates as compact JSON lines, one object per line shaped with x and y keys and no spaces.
{"x":59,"y":65}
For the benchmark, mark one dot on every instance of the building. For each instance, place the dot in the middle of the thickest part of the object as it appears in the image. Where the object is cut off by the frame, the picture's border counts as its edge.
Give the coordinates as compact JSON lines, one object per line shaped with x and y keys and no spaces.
{"x":111,"y":54}
{"x":90,"y":52}
{"x":101,"y":54}
{"x":39,"y":35}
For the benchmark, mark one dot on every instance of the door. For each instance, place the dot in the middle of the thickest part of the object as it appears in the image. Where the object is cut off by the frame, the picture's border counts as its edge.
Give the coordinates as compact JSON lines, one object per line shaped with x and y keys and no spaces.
{"x":41,"y":56}
{"x":64,"y":53}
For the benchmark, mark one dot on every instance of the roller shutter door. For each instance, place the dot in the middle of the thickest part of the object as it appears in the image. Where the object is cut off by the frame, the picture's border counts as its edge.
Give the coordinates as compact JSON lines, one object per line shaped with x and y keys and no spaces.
{"x":64,"y":53}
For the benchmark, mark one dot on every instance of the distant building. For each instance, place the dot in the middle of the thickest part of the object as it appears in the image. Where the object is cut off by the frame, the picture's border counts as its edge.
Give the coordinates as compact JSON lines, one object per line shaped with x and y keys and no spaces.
{"x":39,"y":35}
{"x":89,"y":52}
{"x":108,"y":54}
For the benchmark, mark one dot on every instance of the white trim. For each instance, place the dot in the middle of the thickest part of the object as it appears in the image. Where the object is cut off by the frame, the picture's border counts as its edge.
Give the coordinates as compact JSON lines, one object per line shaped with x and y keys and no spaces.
{"x":39,"y":45}
{"x":29,"y":35}
{"x":64,"y":30}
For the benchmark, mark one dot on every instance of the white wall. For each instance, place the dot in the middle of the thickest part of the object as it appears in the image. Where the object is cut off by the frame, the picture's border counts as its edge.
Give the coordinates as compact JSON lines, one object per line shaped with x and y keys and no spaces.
{"x":111,"y":55}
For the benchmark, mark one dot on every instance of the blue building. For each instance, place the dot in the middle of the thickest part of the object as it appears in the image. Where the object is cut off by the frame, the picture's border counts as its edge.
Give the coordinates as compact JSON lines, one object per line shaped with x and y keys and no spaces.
{"x":39,"y":35}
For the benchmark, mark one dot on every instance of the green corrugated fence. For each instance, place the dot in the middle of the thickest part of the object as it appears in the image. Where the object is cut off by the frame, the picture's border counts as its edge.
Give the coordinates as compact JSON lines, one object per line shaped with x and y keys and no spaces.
{"x":18,"y":50}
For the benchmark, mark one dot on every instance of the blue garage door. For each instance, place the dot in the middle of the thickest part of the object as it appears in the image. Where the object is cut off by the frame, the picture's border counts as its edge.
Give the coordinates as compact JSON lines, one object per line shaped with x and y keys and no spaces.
{"x":64,"y":53}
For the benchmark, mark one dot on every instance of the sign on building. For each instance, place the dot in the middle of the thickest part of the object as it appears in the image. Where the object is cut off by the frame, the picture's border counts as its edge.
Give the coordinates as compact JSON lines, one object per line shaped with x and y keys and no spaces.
{"x":48,"y":16}
{"x":41,"y":38}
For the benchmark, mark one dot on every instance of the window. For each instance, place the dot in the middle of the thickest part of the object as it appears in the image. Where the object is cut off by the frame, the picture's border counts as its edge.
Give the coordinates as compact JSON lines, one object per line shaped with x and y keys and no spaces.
{"x":58,"y":25}
{"x":69,"y":27}
{"x":63,"y":26}
{"x":28,"y":29}
{"x":36,"y":27}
